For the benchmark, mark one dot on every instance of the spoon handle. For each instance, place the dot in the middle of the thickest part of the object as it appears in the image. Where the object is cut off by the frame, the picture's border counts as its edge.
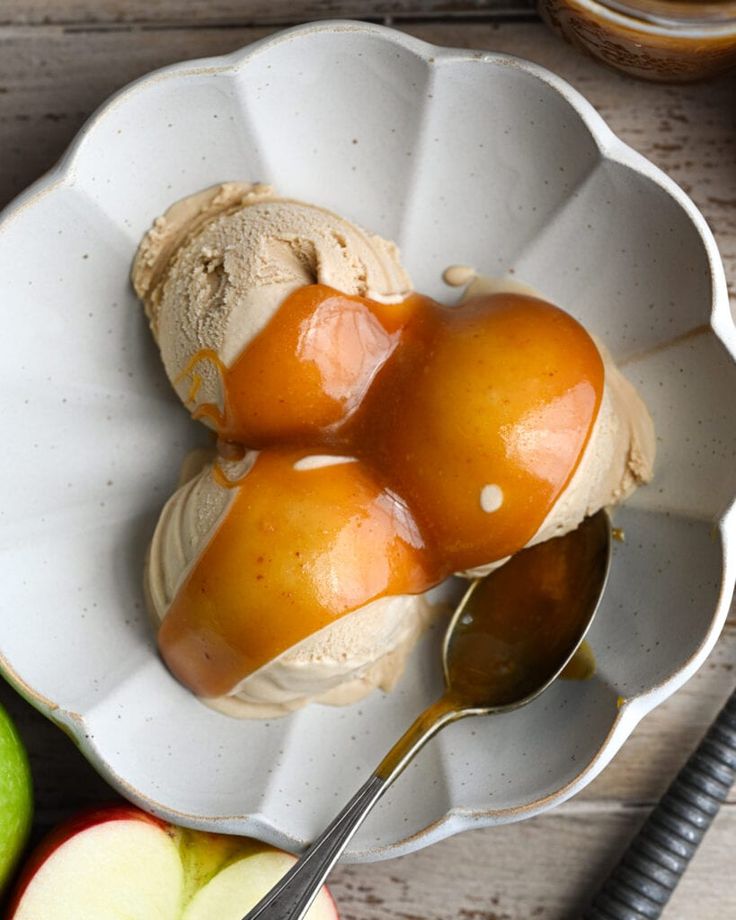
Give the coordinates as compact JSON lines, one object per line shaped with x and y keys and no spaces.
{"x":291,"y":898}
{"x":641,"y":884}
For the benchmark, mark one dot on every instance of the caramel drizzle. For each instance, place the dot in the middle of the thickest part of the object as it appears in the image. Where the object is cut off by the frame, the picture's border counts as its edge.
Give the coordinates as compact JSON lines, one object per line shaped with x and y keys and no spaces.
{"x":208,"y":411}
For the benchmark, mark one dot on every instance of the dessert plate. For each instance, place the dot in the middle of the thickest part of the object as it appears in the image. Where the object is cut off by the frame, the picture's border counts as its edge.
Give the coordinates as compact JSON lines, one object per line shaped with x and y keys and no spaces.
{"x":461,"y":157}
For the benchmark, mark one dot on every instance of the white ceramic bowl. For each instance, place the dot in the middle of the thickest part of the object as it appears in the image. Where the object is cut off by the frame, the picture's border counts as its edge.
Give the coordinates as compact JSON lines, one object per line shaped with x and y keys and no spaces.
{"x":460,"y":156}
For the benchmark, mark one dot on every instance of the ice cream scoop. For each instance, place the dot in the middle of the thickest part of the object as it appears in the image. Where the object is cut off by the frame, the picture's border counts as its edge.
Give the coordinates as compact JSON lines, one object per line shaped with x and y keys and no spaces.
{"x":618,"y":457}
{"x":310,"y":549}
{"x":213,"y":270}
{"x":621,"y":449}
{"x":226,"y":266}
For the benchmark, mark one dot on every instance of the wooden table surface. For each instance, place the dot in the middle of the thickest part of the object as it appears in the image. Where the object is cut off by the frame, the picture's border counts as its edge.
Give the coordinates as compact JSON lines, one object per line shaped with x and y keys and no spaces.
{"x":58,"y":60}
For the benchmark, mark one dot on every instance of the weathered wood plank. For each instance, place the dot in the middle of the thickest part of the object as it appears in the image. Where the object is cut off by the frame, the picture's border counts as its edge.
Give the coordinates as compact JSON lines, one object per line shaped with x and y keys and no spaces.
{"x":543,"y":869}
{"x":51,"y":79}
{"x":255,"y":12}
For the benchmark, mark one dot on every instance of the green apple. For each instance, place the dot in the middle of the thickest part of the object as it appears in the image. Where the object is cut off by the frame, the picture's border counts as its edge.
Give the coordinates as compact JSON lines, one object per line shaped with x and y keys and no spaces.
{"x":16,"y":797}
{"x":118,"y":861}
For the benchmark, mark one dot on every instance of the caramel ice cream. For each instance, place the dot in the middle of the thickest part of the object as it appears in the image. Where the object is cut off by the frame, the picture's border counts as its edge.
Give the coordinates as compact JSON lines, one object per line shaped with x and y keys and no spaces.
{"x":214,"y":269}
{"x":620,"y":452}
{"x":337,"y":665}
{"x":454,"y":438}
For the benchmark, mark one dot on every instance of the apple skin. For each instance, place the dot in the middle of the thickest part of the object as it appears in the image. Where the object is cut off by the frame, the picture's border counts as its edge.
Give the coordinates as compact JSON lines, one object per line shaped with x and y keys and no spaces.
{"x":218,"y":870}
{"x":16,"y":797}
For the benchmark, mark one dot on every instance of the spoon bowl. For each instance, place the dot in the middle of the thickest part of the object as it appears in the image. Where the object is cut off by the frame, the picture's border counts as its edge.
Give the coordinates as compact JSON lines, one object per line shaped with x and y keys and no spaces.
{"x":517,"y":629}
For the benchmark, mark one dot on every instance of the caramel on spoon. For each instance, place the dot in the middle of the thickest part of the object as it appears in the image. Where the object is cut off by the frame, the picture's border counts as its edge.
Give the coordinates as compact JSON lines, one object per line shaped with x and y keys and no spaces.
{"x":512,"y":634}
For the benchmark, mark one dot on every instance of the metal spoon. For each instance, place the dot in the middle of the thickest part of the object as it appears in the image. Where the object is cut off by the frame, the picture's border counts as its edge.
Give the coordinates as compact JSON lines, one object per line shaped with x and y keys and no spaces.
{"x":511,"y":635}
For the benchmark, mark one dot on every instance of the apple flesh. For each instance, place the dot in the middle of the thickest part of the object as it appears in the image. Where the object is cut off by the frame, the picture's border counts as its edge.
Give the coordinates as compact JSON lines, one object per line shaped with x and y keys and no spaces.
{"x":120,"y":862}
{"x":245,"y":882}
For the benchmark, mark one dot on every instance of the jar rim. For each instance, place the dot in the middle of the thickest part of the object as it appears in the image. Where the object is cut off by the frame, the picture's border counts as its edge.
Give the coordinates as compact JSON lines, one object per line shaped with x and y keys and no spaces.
{"x":659,"y":17}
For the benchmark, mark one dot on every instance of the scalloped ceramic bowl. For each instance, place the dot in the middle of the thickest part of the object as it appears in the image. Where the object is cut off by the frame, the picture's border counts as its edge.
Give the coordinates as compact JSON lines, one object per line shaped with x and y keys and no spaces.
{"x":460,"y":156}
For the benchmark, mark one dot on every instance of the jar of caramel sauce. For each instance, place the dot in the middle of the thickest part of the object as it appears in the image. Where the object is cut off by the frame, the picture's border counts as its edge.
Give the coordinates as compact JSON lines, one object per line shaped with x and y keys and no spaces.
{"x":664,"y":40}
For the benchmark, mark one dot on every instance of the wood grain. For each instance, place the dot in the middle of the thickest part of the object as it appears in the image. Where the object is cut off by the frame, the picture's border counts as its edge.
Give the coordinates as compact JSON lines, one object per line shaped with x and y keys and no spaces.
{"x":112,"y":13}
{"x":543,"y":869}
{"x":52,"y":77}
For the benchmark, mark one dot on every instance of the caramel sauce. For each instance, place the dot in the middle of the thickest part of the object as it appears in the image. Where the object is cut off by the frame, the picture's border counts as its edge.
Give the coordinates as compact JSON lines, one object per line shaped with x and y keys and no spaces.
{"x":661,"y":40}
{"x":500,"y":394}
{"x":582,"y":664}
{"x":206,"y":411}
{"x":306,"y":372}
{"x":467,"y":423}
{"x":296,"y":550}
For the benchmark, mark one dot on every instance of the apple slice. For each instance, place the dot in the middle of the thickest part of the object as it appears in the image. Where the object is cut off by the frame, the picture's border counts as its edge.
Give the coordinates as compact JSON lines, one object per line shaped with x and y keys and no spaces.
{"x":16,"y":797}
{"x":119,"y":862}
{"x":231,"y":893}
{"x":106,"y":864}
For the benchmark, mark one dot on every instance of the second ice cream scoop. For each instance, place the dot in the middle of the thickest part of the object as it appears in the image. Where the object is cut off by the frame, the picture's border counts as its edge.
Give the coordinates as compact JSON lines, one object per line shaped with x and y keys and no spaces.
{"x":286,"y":578}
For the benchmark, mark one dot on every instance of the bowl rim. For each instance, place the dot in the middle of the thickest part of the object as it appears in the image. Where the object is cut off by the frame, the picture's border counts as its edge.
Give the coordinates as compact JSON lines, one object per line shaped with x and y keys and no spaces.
{"x":632,"y":710}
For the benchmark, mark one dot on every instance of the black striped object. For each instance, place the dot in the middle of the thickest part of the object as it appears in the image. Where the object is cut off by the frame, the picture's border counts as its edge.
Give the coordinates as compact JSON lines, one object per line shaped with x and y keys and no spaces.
{"x":643,"y":881}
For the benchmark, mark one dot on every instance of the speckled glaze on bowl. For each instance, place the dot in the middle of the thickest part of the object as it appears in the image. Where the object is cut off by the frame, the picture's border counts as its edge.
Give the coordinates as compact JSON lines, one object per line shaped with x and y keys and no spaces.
{"x":460,"y":156}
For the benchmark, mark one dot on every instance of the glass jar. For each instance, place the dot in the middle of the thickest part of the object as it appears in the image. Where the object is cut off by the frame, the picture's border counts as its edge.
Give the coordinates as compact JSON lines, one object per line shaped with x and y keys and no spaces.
{"x":666,"y":40}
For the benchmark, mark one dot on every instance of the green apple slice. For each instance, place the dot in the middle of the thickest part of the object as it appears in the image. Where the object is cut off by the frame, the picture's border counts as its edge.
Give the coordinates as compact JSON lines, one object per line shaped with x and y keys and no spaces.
{"x":16,"y":798}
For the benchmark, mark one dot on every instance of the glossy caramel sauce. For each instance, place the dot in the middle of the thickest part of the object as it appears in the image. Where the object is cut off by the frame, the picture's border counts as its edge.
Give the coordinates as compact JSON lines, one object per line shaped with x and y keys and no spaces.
{"x":467,"y":423}
{"x":267,"y":578}
{"x":306,"y":372}
{"x":497,"y":394}
{"x":582,"y":664}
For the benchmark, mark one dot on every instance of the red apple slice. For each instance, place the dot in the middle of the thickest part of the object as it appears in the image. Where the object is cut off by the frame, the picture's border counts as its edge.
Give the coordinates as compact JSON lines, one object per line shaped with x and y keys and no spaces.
{"x":120,"y":862}
{"x":104,"y":865}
